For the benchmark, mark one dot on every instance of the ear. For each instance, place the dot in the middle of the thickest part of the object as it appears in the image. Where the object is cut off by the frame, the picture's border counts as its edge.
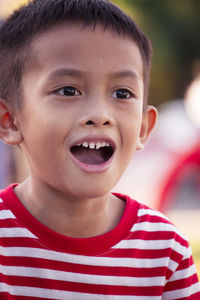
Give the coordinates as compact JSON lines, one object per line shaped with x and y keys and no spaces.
{"x":9,"y":130}
{"x":148,"y":123}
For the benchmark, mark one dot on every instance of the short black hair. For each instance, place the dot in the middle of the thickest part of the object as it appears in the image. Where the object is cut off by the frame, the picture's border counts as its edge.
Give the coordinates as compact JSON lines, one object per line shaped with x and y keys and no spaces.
{"x":18,"y":31}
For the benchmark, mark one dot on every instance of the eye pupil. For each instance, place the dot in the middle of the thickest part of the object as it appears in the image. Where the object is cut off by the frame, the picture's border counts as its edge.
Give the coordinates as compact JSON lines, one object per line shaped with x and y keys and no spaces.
{"x":69,"y":91}
{"x":122,"y":94}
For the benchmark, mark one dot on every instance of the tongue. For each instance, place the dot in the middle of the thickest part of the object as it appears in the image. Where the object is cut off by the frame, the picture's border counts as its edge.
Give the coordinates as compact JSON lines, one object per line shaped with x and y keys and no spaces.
{"x":88,"y":156}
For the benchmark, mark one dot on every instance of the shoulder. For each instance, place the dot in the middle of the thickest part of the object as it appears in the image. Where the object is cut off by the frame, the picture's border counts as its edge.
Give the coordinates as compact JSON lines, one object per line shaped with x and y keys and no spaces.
{"x":7,"y":197}
{"x":149,"y":219}
{"x":151,"y":231}
{"x":152,"y":220}
{"x":156,"y":225}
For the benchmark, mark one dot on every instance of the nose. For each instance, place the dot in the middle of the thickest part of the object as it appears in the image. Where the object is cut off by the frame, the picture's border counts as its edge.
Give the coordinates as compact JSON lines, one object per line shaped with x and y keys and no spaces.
{"x":97,"y":112}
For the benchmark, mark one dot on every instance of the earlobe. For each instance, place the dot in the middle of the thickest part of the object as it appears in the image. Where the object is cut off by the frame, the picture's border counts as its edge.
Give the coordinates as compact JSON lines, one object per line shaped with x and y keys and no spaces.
{"x":148,"y":123}
{"x":9,"y":131}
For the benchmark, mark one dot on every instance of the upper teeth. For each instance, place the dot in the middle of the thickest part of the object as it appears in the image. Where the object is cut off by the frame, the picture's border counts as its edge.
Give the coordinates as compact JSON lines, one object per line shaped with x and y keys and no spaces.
{"x":93,"y":145}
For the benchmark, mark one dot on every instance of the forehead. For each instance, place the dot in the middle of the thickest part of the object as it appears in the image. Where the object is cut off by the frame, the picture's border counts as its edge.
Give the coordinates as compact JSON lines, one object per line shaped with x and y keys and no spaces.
{"x":86,"y":49}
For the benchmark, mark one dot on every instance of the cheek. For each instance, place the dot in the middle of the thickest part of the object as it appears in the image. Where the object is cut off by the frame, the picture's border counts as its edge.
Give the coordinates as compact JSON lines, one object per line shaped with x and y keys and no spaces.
{"x":131,"y":125}
{"x":130,"y":135}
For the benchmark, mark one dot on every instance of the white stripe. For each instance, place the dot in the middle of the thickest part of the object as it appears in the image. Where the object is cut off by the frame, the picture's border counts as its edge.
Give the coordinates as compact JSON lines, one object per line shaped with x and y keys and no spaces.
{"x":150,"y":226}
{"x":150,"y":245}
{"x":188,"y":254}
{"x":6,"y":214}
{"x":151,"y":212}
{"x":1,"y":200}
{"x":156,"y":227}
{"x":83,"y":278}
{"x":182,"y":293}
{"x":185,"y":273}
{"x":85,"y":260}
{"x":64,"y":295}
{"x":16,"y":232}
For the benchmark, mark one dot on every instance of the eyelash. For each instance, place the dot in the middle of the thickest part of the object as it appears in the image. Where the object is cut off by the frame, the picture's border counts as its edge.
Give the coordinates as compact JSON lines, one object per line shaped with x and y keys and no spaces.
{"x":125,"y":93}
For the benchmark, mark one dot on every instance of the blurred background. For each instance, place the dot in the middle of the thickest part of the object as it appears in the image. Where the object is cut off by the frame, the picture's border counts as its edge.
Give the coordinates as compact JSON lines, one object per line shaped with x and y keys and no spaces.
{"x":166,"y":175}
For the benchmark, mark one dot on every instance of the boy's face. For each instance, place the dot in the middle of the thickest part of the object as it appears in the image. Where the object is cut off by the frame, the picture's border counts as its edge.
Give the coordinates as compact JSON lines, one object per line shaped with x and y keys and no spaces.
{"x":85,"y":88}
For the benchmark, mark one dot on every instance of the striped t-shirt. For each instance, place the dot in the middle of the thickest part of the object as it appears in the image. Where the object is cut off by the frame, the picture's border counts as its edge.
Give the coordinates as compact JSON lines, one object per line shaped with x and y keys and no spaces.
{"x":144,"y":257}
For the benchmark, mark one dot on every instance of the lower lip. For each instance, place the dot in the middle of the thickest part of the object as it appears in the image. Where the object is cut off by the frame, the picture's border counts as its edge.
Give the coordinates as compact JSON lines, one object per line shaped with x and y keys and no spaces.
{"x":93,"y":168}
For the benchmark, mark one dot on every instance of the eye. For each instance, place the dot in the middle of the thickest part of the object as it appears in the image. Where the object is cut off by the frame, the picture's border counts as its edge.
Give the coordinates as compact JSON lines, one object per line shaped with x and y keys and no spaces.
{"x":123,"y":94}
{"x":68,"y":91}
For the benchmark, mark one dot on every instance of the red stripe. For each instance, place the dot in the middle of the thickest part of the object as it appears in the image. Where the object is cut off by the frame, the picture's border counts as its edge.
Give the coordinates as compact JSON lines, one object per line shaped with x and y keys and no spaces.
{"x":7,"y":296}
{"x":8,"y":223}
{"x":148,"y":254}
{"x":185,"y":263}
{"x":19,"y":242}
{"x":83,"y":269}
{"x":159,"y":235}
{"x":181,"y":283}
{"x":82,"y":287}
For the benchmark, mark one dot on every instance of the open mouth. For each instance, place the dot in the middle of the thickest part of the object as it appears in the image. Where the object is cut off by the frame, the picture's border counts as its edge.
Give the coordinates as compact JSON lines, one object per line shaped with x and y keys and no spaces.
{"x":92,"y":153}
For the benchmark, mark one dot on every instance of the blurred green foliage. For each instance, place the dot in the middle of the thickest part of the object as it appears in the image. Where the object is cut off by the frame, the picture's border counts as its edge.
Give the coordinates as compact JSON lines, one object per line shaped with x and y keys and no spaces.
{"x":195,"y":245}
{"x":173,"y":27}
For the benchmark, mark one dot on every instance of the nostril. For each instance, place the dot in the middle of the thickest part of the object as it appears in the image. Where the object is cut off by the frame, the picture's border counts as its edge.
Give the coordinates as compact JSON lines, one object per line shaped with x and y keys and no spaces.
{"x":106,"y":123}
{"x":90,"y":122}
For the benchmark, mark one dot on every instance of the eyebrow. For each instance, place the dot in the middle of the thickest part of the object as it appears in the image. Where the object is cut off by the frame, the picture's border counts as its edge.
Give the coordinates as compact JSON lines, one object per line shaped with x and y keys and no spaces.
{"x":126,"y":73}
{"x":66,"y":72}
{"x":78,"y":73}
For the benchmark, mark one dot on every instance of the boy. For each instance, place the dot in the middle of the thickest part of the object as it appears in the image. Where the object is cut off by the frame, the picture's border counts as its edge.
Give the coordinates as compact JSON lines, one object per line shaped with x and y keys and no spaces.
{"x":74,"y":82}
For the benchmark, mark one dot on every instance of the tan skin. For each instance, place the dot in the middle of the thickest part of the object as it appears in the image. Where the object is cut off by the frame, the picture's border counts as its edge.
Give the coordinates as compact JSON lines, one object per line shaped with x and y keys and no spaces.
{"x":97,"y":64}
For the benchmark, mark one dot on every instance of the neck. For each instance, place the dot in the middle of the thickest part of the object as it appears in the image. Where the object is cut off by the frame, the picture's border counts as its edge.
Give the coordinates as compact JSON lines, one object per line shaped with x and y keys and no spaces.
{"x":70,"y":216}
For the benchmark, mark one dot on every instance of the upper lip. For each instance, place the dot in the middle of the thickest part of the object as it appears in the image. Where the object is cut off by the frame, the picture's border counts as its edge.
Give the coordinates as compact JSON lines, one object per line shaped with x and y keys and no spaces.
{"x":95,"y":139}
